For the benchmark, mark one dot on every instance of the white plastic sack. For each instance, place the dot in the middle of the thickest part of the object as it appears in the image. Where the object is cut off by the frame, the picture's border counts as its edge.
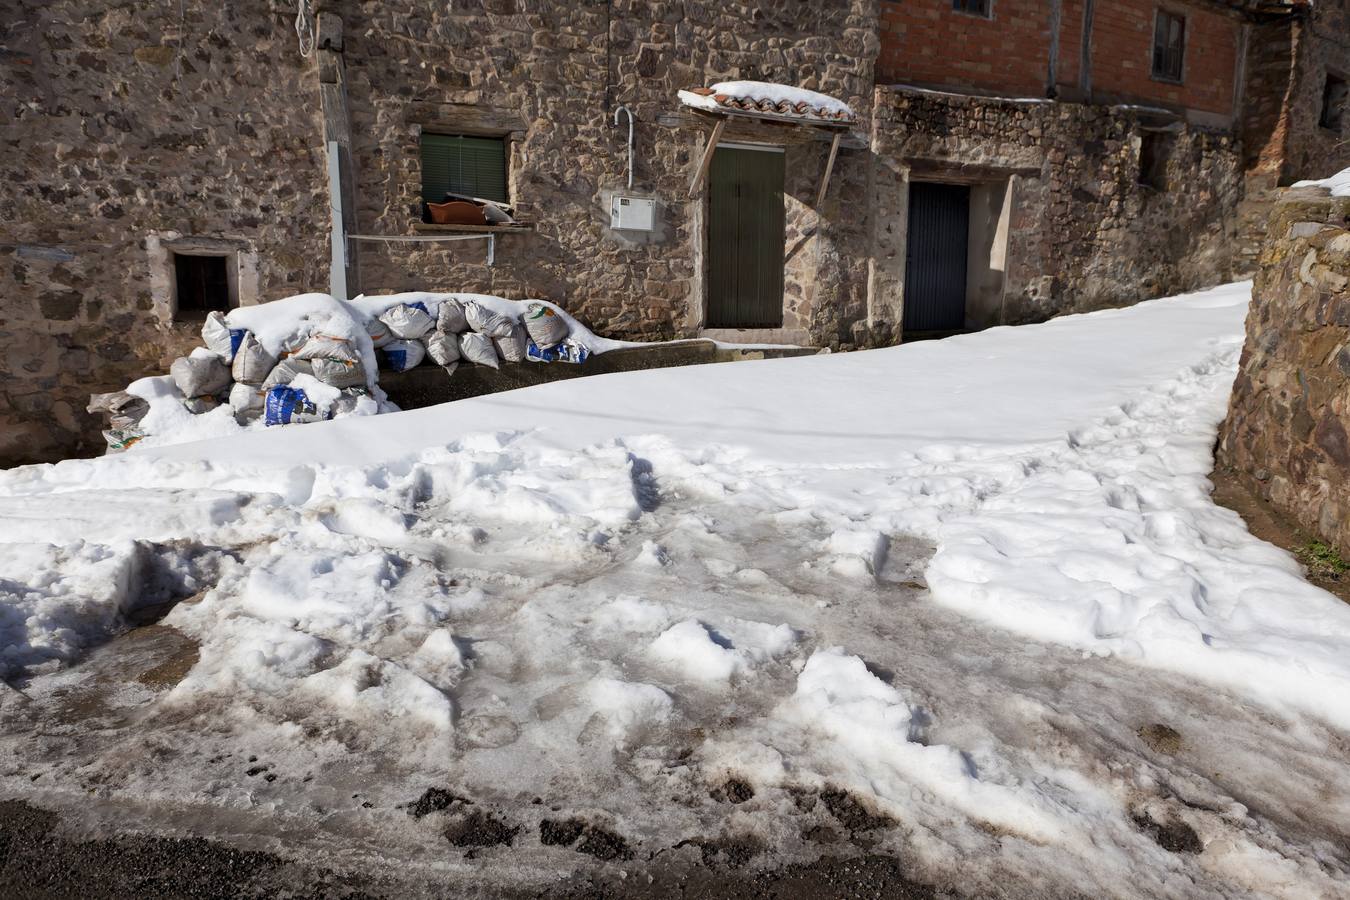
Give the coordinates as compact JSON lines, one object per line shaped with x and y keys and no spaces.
{"x":353,"y":400}
{"x":252,"y":363}
{"x":219,"y":337}
{"x":198,"y":376}
{"x":407,"y":322}
{"x":119,"y":405}
{"x":443,"y":348}
{"x":340,"y":373}
{"x":336,"y":362}
{"x":246,"y":401}
{"x":485,"y":321}
{"x":450,"y":317}
{"x":327,"y":346}
{"x":477,"y":348}
{"x":512,"y":346}
{"x":547,"y":328}
{"x":199,"y":405}
{"x":400,"y":356}
{"x":285,"y":371}
{"x":379,"y":333}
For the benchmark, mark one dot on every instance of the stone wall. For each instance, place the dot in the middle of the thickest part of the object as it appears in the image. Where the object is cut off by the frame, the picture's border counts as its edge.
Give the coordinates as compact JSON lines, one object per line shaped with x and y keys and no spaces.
{"x":125,"y":128}
{"x":1312,"y":151}
{"x":548,"y":77}
{"x":1288,"y":427}
{"x":1084,"y":232}
{"x":134,"y":132}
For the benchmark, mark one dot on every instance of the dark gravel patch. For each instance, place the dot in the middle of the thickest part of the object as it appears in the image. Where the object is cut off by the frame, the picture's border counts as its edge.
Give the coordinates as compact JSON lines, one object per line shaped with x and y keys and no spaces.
{"x":1174,"y":836}
{"x":37,"y":862}
{"x":480,"y":829}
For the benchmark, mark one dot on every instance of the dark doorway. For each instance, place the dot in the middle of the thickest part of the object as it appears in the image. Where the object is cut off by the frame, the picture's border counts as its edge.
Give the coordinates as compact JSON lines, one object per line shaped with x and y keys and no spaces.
{"x":935,"y":257}
{"x":203,"y":284}
{"x":745,"y":239}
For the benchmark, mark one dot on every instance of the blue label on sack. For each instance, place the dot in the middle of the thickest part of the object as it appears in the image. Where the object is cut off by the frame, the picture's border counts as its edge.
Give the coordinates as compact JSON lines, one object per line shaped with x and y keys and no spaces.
{"x":284,"y":403}
{"x":419,"y":305}
{"x":534,"y":354}
{"x":567,"y":351}
{"x":236,"y":339}
{"x":395,"y":360}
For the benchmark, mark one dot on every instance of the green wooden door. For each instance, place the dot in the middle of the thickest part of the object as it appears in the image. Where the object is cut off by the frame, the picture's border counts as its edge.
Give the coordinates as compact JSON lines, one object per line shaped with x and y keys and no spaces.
{"x":745,"y":239}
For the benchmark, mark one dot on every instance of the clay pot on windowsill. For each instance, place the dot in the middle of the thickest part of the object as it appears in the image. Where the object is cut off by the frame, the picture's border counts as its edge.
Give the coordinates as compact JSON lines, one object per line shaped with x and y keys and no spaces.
{"x":456,"y":212}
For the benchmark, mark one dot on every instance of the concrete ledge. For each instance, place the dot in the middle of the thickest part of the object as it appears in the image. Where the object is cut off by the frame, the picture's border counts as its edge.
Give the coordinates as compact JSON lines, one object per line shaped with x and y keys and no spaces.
{"x":428,"y":385}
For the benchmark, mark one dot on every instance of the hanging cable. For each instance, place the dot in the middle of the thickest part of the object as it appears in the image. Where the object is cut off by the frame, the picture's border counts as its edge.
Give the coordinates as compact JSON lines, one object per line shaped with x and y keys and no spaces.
{"x":304,"y":29}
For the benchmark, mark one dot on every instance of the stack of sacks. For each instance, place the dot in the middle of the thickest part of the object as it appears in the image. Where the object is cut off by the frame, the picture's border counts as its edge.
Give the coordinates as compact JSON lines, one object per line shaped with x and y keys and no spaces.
{"x":315,"y":375}
{"x":455,"y":331}
{"x":312,"y":357}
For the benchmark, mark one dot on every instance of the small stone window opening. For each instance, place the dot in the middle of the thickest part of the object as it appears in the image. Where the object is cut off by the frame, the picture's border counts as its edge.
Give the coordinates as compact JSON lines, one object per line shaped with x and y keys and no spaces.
{"x":982,"y":8}
{"x":1155,"y":152}
{"x":1169,"y":46}
{"x":1334,"y":93}
{"x":463,"y":165}
{"x":202,"y":284}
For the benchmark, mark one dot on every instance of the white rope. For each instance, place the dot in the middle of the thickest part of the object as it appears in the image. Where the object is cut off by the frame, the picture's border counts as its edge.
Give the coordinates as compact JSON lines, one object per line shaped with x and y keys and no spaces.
{"x":304,"y":30}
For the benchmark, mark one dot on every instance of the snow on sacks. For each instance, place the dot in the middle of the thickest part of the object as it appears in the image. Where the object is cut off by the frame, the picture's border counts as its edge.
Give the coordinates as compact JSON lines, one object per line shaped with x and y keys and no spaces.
{"x":230,"y":384}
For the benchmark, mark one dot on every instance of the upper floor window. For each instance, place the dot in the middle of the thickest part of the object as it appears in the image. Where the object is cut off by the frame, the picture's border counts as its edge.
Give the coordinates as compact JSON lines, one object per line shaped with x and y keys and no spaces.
{"x":463,"y":164}
{"x":1169,"y":46}
{"x":1333,"y":102}
{"x":983,"y":8}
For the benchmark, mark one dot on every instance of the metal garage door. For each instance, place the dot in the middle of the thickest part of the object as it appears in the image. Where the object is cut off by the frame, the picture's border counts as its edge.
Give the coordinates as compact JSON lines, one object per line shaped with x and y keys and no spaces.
{"x":935,"y":257}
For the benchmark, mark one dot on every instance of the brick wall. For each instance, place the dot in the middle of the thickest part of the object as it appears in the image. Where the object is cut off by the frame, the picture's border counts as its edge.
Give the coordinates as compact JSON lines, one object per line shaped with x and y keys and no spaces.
{"x":1122,"y":51}
{"x":926,"y":42}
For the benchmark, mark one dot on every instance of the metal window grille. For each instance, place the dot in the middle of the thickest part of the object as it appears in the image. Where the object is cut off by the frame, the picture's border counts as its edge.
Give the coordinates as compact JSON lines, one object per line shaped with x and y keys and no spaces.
{"x":1169,"y":46}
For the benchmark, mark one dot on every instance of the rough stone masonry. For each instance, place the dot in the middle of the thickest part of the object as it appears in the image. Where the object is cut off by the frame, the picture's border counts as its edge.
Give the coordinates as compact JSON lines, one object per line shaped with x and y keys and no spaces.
{"x":134,"y":132}
{"x":1288,"y":427}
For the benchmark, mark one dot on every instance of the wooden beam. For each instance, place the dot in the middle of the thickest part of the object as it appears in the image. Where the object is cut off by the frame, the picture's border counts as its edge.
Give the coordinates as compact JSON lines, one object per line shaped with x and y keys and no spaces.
{"x":706,"y":162}
{"x":829,"y":167}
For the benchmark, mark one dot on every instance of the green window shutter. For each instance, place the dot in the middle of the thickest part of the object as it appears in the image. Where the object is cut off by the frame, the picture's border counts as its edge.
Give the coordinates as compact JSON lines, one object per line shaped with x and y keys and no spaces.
{"x":463,"y":165}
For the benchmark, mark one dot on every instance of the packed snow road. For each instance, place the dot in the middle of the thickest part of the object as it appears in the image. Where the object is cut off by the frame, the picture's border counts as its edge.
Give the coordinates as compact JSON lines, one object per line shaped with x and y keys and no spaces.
{"x":966,"y":604}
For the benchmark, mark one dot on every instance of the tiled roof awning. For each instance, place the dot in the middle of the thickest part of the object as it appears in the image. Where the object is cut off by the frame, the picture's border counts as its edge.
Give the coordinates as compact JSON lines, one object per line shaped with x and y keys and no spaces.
{"x":772,"y":102}
{"x":764,"y":100}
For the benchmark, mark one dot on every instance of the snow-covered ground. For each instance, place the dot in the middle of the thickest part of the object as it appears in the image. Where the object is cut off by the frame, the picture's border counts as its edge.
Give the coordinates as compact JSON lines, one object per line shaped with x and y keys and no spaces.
{"x":964,"y":584}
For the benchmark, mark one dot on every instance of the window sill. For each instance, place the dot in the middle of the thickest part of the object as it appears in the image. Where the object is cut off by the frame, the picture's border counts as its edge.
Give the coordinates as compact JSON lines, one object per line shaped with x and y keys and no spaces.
{"x":429,"y":228}
{"x":1163,"y":79}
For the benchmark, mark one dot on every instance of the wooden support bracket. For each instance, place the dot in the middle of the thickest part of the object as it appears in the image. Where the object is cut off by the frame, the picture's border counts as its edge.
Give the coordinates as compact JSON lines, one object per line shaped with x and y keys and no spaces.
{"x":706,"y":162}
{"x":829,"y":167}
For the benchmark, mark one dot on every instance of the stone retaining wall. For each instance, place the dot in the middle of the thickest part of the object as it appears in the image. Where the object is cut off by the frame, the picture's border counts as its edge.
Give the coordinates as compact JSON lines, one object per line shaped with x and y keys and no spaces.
{"x":1288,"y":427}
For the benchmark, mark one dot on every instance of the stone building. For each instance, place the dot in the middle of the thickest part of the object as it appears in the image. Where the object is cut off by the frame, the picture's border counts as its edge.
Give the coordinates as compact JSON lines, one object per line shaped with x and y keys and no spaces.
{"x":1008,"y":160}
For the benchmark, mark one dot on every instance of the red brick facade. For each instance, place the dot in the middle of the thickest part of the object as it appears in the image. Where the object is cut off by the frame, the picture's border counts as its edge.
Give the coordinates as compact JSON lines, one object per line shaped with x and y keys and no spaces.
{"x":1122,"y":48}
{"x":928,"y":43}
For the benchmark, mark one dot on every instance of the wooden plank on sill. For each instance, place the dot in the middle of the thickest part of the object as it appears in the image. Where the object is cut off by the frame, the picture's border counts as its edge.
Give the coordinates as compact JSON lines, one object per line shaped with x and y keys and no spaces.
{"x":432,"y":228}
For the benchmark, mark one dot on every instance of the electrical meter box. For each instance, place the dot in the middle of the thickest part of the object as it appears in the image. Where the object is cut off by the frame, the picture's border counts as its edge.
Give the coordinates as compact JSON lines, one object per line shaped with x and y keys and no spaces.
{"x":632,"y":213}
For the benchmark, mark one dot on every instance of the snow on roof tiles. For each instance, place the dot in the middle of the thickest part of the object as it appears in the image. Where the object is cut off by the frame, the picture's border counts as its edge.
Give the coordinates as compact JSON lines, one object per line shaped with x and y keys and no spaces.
{"x":761,"y":97}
